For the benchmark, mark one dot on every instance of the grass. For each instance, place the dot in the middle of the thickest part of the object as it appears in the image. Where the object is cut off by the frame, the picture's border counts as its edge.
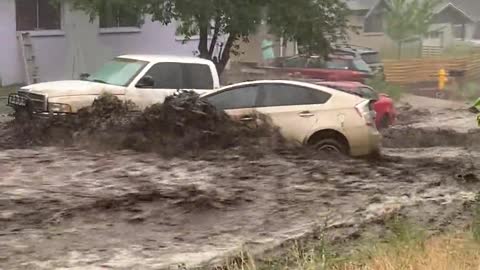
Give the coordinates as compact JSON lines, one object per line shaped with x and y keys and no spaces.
{"x":382,"y":86}
{"x":406,"y":246}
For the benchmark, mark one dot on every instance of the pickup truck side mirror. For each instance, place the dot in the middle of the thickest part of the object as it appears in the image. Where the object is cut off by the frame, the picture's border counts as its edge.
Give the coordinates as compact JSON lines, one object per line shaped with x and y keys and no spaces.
{"x":84,"y":76}
{"x":146,"y":82}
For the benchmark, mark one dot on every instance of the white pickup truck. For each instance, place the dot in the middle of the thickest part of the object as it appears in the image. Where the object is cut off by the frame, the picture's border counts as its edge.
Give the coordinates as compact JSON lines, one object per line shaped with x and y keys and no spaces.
{"x":142,"y":79}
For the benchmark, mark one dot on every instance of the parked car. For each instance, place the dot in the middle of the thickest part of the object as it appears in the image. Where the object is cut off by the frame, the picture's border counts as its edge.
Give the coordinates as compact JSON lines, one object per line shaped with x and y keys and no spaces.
{"x":143,"y":79}
{"x":307,"y":113}
{"x":383,"y":106}
{"x":335,"y":68}
{"x":370,"y":56}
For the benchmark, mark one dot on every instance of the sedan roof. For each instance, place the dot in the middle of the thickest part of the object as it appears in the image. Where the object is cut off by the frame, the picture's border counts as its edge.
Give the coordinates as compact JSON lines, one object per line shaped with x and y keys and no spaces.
{"x":313,"y":85}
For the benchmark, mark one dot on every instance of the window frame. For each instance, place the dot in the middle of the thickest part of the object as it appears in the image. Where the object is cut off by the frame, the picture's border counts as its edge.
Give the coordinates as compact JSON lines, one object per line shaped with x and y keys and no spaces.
{"x":233,"y":88}
{"x":163,"y":63}
{"x":183,"y":74}
{"x":261,"y":97}
{"x":360,"y":89}
{"x":117,"y":28}
{"x":36,"y":31}
{"x":368,"y":25}
{"x":463,"y":29}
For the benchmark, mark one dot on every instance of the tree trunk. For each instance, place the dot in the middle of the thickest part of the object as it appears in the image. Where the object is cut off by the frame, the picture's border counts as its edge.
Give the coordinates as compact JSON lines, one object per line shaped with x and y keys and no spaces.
{"x":225,"y":56}
{"x":216,"y":32}
{"x":203,"y":42}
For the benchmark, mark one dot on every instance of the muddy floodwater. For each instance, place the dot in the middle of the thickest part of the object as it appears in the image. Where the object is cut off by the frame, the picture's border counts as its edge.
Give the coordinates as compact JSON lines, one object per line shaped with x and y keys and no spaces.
{"x":71,"y":208}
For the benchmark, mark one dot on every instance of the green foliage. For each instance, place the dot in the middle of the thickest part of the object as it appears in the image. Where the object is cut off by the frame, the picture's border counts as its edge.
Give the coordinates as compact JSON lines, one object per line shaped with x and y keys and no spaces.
{"x":408,"y":18}
{"x":470,"y":91}
{"x":382,"y":86}
{"x":476,"y":219}
{"x":314,"y":23}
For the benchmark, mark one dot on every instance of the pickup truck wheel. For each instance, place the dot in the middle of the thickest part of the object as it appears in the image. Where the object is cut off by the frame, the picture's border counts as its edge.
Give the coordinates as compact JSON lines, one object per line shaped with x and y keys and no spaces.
{"x":330,"y":146}
{"x":22,"y":115}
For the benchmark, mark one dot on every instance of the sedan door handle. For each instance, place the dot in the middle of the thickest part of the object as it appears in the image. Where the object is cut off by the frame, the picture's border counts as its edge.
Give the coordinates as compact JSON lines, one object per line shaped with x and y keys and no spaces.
{"x":306,"y":114}
{"x":246,"y":118}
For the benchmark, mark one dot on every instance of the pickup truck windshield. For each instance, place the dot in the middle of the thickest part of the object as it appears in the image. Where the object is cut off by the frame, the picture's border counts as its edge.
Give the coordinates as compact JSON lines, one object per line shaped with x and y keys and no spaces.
{"x":119,"y":71}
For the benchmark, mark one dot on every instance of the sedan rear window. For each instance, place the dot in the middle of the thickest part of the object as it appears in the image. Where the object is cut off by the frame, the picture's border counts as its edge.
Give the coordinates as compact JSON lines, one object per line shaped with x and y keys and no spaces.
{"x":273,"y":95}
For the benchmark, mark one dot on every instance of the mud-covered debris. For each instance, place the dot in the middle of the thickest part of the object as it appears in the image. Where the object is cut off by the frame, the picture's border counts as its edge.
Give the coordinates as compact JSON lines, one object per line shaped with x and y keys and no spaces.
{"x":406,"y":114}
{"x":406,"y":137}
{"x":183,"y":124}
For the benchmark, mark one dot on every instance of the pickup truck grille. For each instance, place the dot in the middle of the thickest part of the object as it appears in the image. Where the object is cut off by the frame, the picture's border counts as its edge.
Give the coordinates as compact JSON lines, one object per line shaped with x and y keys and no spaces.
{"x":34,"y":102}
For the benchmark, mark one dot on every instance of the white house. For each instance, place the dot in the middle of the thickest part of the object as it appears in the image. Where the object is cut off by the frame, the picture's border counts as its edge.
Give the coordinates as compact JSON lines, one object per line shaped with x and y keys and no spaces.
{"x":66,"y":43}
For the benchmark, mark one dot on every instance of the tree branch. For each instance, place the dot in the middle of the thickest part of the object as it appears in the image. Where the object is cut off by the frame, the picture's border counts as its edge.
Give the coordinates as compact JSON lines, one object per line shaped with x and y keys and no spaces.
{"x":222,"y":62}
{"x":216,"y":32}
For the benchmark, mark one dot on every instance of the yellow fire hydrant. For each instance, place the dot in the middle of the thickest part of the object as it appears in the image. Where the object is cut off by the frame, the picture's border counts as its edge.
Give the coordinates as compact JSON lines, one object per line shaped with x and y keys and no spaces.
{"x":442,"y":79}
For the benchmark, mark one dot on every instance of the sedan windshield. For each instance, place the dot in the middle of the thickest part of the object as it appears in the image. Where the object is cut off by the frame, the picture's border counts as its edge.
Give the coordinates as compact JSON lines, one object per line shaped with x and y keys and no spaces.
{"x":119,"y":71}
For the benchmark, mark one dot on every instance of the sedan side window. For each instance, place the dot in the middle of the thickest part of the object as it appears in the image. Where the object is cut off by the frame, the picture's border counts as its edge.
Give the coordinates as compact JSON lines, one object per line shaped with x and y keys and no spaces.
{"x":238,"y":98}
{"x":368,"y":93}
{"x":166,"y":75}
{"x":288,"y":95}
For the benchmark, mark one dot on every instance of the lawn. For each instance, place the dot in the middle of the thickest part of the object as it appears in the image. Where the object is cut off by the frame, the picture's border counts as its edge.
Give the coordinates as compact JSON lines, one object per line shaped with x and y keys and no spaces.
{"x":405,"y":247}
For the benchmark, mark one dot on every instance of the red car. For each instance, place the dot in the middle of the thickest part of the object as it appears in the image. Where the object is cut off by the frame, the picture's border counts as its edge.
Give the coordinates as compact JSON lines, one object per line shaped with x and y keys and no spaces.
{"x":335,"y":68}
{"x":384,"y":107}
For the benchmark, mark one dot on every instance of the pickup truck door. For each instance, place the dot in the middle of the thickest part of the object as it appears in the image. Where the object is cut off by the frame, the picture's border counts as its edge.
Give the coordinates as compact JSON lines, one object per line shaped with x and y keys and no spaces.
{"x":169,"y":78}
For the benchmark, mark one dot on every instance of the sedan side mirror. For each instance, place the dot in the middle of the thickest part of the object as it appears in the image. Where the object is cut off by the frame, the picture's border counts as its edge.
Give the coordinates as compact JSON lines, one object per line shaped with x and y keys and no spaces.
{"x":84,"y":76}
{"x":146,"y":82}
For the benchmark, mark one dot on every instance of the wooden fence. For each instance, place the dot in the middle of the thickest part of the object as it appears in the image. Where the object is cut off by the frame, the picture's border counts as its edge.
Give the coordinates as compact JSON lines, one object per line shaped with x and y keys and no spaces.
{"x":411,"y":71}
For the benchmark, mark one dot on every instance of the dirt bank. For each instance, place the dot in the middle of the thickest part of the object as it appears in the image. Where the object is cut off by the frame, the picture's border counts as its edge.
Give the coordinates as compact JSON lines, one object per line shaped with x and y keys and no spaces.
{"x":409,"y":137}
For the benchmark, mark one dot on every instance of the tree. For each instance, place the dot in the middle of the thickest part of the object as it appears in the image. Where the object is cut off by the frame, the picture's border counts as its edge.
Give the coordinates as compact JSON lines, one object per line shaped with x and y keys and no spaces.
{"x":408,"y":18}
{"x":315,"y":23}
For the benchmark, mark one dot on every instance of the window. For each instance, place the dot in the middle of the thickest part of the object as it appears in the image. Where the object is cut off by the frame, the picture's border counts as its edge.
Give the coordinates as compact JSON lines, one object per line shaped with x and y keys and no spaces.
{"x":459,"y":31}
{"x":374,"y":23}
{"x":37,"y":15}
{"x":371,"y":57}
{"x":296,"y":62}
{"x":338,"y":64}
{"x":288,"y":95}
{"x":316,"y":63}
{"x":238,"y":98}
{"x":433,"y":35}
{"x":197,"y":76}
{"x":368,"y":93}
{"x":118,"y":72}
{"x":115,"y":15}
{"x":181,"y":76}
{"x":166,"y":75}
{"x":360,"y":65}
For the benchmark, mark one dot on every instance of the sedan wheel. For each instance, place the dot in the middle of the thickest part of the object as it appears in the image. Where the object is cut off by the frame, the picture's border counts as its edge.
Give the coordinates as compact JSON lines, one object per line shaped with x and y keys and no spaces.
{"x":330,"y":146}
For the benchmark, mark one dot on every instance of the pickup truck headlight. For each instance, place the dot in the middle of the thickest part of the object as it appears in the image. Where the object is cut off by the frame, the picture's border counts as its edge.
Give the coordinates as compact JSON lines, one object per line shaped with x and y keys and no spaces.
{"x":59,"y":108}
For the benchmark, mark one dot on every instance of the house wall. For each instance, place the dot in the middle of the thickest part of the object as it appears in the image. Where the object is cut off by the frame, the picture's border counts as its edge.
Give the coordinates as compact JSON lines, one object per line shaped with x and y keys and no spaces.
{"x":81,"y":46}
{"x":377,"y":41}
{"x":10,"y":69}
{"x":251,"y":51}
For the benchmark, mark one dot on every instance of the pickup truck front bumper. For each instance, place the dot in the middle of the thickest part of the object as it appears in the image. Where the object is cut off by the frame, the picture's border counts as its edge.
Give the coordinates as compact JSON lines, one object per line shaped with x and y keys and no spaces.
{"x":31,"y":102}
